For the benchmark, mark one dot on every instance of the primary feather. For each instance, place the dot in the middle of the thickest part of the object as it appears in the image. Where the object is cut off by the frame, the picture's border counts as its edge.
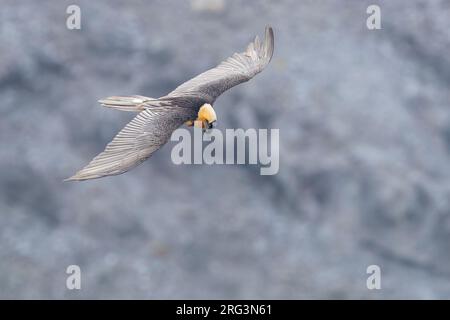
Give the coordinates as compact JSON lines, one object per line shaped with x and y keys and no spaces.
{"x":238,"y":68}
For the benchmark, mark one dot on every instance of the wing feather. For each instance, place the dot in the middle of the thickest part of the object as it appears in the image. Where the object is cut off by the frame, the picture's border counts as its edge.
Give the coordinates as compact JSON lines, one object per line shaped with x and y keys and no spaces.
{"x":240,"y":67}
{"x":137,"y":141}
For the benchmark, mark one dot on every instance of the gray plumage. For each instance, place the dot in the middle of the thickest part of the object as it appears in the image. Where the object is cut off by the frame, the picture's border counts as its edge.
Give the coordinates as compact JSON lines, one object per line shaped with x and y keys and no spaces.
{"x":158,"y":118}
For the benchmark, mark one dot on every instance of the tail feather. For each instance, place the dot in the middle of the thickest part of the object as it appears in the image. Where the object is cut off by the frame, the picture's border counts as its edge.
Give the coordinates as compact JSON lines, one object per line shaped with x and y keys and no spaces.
{"x":127,"y":103}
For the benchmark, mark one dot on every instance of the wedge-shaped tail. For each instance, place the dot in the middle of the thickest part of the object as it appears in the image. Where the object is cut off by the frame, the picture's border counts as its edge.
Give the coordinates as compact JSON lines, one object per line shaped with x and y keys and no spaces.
{"x":127,"y":103}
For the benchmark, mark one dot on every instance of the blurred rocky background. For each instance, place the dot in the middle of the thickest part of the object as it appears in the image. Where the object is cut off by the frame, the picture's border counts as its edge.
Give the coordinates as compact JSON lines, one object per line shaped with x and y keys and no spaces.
{"x":364,"y":178}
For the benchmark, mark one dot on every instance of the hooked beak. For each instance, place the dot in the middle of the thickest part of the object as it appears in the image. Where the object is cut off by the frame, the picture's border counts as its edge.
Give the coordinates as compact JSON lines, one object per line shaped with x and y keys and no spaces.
{"x":212,"y":124}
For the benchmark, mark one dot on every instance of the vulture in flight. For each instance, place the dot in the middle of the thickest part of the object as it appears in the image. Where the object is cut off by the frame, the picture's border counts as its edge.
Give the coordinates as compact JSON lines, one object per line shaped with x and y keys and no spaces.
{"x":190,"y":103}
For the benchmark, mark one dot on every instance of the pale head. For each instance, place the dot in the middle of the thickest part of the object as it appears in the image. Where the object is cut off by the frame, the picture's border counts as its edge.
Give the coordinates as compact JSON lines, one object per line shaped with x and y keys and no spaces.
{"x":207,"y":115}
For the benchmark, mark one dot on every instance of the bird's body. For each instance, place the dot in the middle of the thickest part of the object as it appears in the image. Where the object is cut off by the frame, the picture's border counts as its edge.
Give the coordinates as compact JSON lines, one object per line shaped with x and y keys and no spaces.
{"x":190,"y":103}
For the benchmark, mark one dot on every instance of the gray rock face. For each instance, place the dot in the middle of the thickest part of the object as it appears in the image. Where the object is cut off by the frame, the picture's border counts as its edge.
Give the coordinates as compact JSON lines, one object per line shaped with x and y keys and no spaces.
{"x":364,"y":176}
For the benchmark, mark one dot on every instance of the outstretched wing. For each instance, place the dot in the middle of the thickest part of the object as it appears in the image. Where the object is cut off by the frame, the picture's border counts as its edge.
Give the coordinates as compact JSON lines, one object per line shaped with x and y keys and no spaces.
{"x":240,"y":67}
{"x":145,"y":134}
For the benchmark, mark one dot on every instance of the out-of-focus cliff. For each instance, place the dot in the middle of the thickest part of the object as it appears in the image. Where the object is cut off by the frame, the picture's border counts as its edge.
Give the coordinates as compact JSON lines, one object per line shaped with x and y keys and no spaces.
{"x":364,"y":121}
